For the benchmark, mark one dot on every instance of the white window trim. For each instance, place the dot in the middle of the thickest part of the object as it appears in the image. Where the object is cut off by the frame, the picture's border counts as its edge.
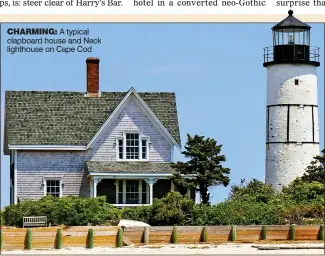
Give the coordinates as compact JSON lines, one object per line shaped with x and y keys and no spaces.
{"x":141,"y":137}
{"x":45,"y":179}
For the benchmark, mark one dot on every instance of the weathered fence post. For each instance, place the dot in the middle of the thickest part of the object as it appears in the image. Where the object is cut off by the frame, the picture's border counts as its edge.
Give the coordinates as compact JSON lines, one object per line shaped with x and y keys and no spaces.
{"x":174,"y":238}
{"x":59,"y":238}
{"x":90,"y":239}
{"x":263,"y":233}
{"x":0,"y":239}
{"x":29,"y":239}
{"x":119,"y":238}
{"x":204,"y":235}
{"x":292,"y":232}
{"x":146,"y":235}
{"x":321,"y":232}
{"x":233,"y":233}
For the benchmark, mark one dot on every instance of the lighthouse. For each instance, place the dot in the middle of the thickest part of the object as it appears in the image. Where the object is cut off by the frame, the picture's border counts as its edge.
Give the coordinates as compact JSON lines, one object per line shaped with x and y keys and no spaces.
{"x":292,"y":131}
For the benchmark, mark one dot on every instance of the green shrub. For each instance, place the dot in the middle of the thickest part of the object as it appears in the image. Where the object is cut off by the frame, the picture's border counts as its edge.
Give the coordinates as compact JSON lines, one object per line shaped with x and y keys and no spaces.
{"x":70,"y":211}
{"x":252,"y":204}
{"x":301,"y":191}
{"x":173,"y":209}
{"x":141,"y":213}
{"x":3,"y":223}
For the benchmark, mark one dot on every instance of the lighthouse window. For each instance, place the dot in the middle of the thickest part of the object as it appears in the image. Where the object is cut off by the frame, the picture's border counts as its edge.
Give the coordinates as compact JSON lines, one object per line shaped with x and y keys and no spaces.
{"x":296,"y":82}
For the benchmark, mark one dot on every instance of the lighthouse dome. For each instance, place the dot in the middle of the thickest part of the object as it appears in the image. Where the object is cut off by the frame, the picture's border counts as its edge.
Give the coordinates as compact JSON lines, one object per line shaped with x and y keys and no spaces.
{"x":291,"y":22}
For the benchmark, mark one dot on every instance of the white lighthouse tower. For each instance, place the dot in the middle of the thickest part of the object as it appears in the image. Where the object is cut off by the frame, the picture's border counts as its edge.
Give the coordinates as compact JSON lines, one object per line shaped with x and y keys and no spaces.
{"x":292,"y":129}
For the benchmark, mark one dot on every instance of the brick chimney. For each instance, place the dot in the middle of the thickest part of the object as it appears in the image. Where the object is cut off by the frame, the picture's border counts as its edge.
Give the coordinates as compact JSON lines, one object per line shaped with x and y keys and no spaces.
{"x":92,"y":77}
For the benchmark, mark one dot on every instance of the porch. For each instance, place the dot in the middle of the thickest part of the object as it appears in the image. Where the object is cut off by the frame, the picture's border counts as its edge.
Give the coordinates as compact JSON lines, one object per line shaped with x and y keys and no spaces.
{"x":124,"y":188}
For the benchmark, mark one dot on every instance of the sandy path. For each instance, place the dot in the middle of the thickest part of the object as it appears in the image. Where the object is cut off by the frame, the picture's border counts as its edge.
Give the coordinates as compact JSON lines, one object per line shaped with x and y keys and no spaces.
{"x":181,"y":249}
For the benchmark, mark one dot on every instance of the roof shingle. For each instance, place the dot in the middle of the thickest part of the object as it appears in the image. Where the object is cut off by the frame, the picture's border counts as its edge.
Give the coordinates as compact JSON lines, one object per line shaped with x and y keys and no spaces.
{"x":69,"y":118}
{"x":128,"y":167}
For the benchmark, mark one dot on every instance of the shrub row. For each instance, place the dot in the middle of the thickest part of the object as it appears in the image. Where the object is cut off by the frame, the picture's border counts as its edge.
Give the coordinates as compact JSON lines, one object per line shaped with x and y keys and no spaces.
{"x":174,"y":209}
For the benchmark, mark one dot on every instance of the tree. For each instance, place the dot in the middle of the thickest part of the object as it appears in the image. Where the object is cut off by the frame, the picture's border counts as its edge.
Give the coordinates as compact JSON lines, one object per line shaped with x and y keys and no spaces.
{"x":255,"y":191}
{"x":302,"y":191}
{"x":315,"y":172}
{"x":204,"y":169}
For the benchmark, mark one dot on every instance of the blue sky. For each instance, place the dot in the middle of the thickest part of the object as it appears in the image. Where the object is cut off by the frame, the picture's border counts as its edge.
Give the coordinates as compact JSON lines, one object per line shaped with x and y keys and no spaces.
{"x":215,"y":70}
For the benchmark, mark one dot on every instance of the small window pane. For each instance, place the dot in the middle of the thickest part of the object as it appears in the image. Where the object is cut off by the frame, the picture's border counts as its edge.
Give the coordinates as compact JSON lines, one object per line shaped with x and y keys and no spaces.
{"x":144,"y":149}
{"x":120,"y":149}
{"x":120,"y":186}
{"x":120,"y":198}
{"x":132,"y":146}
{"x":53,"y":187}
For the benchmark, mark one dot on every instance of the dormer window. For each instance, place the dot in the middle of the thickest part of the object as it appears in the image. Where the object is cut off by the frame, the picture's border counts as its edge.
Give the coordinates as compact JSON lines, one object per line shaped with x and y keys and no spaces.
{"x":132,"y":147}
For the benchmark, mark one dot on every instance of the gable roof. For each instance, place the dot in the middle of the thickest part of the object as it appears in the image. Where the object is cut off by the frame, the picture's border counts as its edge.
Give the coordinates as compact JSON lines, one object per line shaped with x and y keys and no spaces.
{"x":70,"y":118}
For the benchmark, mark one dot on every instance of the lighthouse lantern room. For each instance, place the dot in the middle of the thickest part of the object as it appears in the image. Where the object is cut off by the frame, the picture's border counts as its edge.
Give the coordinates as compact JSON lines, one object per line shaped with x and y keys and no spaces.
{"x":292,"y":131}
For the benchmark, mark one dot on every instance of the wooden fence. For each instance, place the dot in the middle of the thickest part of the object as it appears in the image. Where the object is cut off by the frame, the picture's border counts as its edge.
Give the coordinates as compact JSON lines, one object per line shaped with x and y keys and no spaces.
{"x":85,"y":236}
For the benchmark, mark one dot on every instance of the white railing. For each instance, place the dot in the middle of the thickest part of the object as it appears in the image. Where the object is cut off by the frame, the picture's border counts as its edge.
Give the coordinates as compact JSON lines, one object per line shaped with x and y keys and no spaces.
{"x":130,"y":205}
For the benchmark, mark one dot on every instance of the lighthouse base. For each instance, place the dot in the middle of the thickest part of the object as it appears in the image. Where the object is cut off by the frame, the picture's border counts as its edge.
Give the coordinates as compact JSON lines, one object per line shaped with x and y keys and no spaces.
{"x":285,"y":162}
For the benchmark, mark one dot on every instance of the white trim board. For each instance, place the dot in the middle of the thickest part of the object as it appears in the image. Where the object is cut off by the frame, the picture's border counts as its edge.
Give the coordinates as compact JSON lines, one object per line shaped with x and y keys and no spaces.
{"x":15,"y":177}
{"x":139,"y":102}
{"x":117,"y":175}
{"x":47,"y":147}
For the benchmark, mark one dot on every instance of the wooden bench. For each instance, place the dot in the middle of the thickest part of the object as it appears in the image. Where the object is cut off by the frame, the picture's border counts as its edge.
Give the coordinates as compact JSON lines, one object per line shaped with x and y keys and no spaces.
{"x":36,"y":221}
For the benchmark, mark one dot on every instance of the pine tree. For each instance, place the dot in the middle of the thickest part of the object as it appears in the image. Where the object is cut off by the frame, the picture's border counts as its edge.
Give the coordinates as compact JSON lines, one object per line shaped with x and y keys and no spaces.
{"x":204,"y":166}
{"x":315,"y":172}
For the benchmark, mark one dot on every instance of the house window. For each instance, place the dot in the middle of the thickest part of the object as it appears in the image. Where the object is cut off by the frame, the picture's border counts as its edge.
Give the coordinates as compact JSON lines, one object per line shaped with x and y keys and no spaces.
{"x":120,"y":148}
{"x":132,"y":192}
{"x":120,"y":191}
{"x":144,"y":148}
{"x":132,"y":147}
{"x":53,"y":187}
{"x":144,"y":191}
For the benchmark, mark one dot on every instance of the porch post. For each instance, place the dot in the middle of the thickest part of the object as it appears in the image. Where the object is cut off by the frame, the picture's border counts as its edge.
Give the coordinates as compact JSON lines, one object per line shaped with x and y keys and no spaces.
{"x":117,"y":190}
{"x":188,"y":193}
{"x":140,"y":191}
{"x":197,"y":197}
{"x":151,"y":181}
{"x":172,"y":187}
{"x":91,"y":188}
{"x":95,"y":182}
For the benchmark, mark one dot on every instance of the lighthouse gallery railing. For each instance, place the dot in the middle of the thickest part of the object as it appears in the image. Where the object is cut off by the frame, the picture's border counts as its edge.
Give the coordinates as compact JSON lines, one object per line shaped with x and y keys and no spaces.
{"x":313,"y":54}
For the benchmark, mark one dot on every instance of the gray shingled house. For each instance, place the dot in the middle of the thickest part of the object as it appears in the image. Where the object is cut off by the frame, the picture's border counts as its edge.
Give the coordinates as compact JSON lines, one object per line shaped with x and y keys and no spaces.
{"x":118,"y":144}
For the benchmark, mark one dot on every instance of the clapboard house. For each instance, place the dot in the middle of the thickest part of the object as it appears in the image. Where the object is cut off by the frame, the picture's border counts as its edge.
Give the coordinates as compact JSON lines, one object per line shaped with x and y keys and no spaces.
{"x":117,"y":144}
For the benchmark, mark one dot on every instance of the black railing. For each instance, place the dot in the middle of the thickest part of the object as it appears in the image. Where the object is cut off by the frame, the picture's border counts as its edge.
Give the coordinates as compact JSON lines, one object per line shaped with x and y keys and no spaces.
{"x":282,"y":53}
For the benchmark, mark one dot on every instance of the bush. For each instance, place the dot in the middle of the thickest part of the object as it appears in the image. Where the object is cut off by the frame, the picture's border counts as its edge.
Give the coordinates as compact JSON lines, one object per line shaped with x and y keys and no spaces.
{"x":301,"y":191}
{"x":173,"y":209}
{"x":141,"y":213}
{"x":66,"y":210}
{"x":252,"y":204}
{"x":2,"y":218}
